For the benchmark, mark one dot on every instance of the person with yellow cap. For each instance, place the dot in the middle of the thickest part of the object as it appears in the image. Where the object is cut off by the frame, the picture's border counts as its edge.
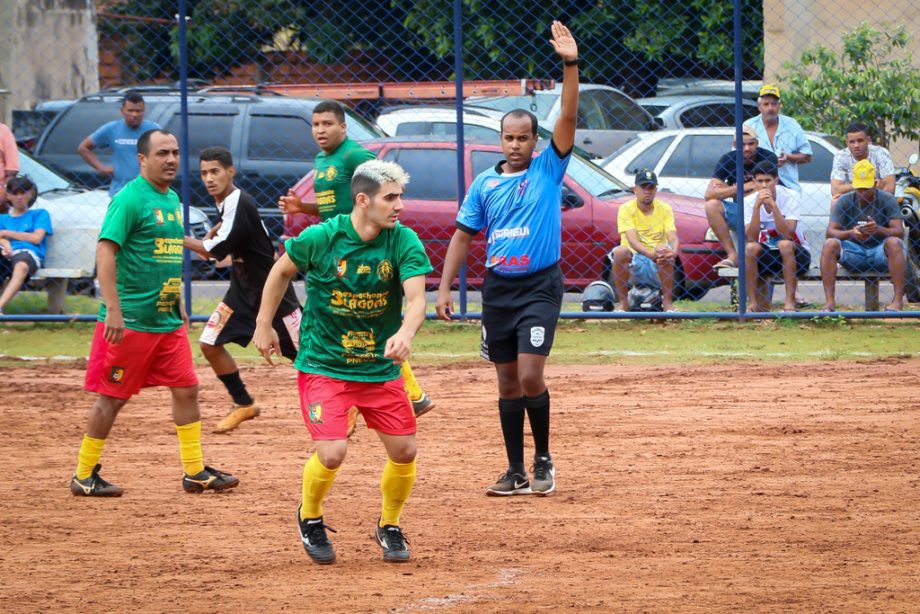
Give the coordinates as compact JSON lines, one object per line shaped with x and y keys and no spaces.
{"x":782,"y":135}
{"x":865,"y":235}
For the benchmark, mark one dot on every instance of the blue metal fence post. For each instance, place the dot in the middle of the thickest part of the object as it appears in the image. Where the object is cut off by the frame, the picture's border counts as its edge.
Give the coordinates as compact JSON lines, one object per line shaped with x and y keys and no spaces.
{"x":739,"y":161}
{"x":183,"y":152}
{"x":461,"y":150}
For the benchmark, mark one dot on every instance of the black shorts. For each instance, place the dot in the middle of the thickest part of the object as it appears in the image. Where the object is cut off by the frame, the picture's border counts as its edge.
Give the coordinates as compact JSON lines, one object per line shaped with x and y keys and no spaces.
{"x":770,"y":262}
{"x":21,"y":255}
{"x":226,"y":326}
{"x":519,"y":314}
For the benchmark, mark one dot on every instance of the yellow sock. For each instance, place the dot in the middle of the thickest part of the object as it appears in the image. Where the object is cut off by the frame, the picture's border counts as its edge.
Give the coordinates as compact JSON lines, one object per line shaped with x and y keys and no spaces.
{"x":395,"y":486}
{"x":90,"y":451}
{"x":190,"y":447}
{"x":317,"y":480}
{"x":412,"y":387}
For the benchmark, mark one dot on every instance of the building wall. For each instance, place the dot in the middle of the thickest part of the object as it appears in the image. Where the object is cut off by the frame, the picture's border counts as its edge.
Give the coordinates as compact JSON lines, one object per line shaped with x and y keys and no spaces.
{"x":48,"y":49}
{"x":790,"y":26}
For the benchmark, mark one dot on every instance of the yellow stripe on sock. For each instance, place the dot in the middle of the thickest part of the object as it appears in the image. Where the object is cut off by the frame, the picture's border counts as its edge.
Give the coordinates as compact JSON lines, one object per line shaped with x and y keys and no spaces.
{"x":395,"y":486}
{"x":190,"y":447}
{"x":317,"y":480}
{"x":89,"y":455}
{"x":412,"y":386}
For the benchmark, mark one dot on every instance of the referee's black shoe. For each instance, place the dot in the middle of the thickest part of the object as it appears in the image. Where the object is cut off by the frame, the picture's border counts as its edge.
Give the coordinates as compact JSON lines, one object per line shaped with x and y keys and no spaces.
{"x":314,"y":539}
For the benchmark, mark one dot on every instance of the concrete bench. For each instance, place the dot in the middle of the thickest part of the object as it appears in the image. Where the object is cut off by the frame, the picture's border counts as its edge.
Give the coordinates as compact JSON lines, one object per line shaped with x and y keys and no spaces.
{"x":71,"y":254}
{"x":870,"y":280}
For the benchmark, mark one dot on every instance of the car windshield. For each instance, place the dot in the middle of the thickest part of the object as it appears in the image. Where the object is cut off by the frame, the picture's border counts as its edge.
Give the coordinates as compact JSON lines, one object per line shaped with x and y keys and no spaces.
{"x":592,"y":178}
{"x":538,"y":104}
{"x":655,"y":109}
{"x":359,"y":129}
{"x":45,"y":178}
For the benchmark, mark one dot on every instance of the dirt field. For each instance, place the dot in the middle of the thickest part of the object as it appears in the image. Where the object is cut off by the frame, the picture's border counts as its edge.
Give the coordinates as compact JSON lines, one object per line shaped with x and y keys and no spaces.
{"x":716,"y":488}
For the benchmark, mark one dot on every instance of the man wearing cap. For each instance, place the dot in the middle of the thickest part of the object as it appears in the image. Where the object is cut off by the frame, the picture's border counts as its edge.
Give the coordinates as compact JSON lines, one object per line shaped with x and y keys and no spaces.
{"x":860,"y":147}
{"x":648,"y":243}
{"x":782,"y":135}
{"x":865,"y":235}
{"x":721,"y":209}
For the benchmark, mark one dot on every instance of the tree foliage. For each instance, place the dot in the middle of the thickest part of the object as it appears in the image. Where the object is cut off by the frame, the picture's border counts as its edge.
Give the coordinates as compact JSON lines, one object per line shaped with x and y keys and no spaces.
{"x":872,"y":79}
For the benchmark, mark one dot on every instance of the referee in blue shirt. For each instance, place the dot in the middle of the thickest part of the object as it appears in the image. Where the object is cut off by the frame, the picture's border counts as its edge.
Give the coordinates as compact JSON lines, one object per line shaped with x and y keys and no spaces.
{"x":518,"y":203}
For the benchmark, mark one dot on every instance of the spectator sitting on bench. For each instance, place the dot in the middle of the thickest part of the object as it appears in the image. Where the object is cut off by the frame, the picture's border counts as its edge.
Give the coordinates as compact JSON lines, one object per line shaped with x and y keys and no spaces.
{"x":648,"y":244}
{"x":775,"y":244}
{"x":721,"y":209}
{"x":23,"y":237}
{"x":865,"y":234}
{"x":859,"y":147}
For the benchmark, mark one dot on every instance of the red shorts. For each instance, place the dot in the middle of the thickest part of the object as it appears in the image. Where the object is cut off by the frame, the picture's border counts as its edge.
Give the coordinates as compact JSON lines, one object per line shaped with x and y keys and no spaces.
{"x":141,"y":360}
{"x":325,"y":401}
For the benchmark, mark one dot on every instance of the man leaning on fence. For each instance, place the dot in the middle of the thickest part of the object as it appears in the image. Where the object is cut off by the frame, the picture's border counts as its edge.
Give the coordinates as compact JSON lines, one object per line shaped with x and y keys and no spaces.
{"x":865,"y":235}
{"x":859,"y":147}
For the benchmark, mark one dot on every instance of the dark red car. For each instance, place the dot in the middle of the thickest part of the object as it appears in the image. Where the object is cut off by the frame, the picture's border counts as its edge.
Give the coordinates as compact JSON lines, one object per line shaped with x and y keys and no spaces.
{"x":591,"y":199}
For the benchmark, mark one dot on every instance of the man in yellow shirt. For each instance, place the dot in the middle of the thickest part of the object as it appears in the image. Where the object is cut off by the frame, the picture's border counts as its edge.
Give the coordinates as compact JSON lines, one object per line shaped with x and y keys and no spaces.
{"x":648,"y":244}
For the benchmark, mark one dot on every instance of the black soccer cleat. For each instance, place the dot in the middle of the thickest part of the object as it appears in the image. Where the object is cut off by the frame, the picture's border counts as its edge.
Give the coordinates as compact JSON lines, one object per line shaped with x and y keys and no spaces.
{"x":314,"y":539}
{"x":209,"y":479}
{"x":94,"y":486}
{"x":395,"y":545}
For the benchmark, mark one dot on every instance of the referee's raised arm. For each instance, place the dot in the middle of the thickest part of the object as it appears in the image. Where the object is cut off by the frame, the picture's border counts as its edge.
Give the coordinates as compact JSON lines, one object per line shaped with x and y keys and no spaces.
{"x":565,"y":46}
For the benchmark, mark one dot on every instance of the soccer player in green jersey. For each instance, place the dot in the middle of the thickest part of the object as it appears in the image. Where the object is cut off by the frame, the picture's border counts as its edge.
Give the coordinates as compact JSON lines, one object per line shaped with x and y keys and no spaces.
{"x":141,"y":336}
{"x":358,"y":267}
{"x":335,"y":165}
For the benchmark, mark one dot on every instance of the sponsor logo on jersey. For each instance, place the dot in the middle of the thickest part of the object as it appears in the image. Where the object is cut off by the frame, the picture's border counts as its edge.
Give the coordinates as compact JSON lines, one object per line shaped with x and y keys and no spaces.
{"x":363,"y":269}
{"x":359,"y":346}
{"x":316,"y":413}
{"x":158,"y":214}
{"x":522,"y":187}
{"x":340,"y":268}
{"x":492,"y":183}
{"x":385,"y":270}
{"x":517,"y":232}
{"x":510,"y":262}
{"x":117,"y":375}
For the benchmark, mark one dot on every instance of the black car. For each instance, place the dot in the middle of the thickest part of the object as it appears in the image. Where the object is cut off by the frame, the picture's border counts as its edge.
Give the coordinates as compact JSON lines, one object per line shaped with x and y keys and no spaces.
{"x":269,"y":136}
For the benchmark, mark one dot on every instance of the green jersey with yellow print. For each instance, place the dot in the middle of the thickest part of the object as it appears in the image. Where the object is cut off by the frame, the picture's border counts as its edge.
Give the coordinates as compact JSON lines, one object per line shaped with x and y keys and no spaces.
{"x":146,"y":224}
{"x":354,"y":293}
{"x":332,"y":179}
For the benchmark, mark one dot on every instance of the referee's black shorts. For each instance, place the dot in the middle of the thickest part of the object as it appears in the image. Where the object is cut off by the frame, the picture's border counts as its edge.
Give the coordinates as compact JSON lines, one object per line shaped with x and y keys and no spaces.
{"x":519,"y":314}
{"x":225,"y":326}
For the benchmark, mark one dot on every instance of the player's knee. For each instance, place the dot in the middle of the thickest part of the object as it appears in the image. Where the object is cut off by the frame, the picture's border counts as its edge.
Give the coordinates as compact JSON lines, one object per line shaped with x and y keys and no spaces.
{"x":332,"y":456}
{"x":533,"y":384}
{"x":403,"y":453}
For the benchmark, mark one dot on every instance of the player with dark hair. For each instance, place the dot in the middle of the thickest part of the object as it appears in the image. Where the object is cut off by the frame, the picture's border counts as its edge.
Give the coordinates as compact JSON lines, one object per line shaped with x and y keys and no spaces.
{"x":121,"y":137}
{"x":333,"y":172}
{"x":241,"y":235}
{"x":518,"y":204}
{"x":141,"y":338}
{"x":358,"y":268}
{"x":24,"y":233}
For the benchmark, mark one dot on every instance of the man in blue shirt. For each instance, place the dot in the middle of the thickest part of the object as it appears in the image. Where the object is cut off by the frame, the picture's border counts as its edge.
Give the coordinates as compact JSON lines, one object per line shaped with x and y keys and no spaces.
{"x":782,"y":135}
{"x":120,"y":136}
{"x":518,"y":204}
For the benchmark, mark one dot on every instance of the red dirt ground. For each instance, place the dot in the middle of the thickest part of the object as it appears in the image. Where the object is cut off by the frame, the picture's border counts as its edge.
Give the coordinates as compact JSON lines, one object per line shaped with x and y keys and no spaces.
{"x":680,"y":488}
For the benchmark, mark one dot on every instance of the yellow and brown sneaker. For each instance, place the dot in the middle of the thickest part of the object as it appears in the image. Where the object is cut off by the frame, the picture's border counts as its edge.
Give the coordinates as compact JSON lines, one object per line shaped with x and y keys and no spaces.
{"x":237,"y":415}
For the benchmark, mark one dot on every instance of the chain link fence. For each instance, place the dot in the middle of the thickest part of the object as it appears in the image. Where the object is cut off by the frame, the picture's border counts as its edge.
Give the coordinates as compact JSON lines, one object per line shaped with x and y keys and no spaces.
{"x":658,"y":93}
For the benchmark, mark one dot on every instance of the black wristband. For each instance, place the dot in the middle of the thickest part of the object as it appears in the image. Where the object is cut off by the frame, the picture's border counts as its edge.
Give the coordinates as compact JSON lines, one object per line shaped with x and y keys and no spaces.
{"x":571,"y":62}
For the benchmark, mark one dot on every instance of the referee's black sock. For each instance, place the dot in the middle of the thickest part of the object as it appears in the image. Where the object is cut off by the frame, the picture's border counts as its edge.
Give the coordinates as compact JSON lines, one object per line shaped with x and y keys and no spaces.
{"x":511,"y":413}
{"x":538,"y":413}
{"x":236,"y":388}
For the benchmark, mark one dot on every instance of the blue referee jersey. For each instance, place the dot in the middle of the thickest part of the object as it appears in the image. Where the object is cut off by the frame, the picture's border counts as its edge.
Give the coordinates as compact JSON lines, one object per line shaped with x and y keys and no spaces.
{"x":521,"y":213}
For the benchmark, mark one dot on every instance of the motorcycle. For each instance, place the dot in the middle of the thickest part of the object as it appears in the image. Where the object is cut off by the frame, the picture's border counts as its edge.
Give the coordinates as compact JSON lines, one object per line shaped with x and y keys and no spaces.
{"x":907,"y":193}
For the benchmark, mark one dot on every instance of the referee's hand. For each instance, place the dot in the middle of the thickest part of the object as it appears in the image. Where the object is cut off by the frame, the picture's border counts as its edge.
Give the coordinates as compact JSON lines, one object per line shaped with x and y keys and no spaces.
{"x":444,"y":305}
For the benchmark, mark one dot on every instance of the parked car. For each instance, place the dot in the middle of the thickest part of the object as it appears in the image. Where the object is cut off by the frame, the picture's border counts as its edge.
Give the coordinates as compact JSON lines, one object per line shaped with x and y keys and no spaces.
{"x":269,"y":136}
{"x":591,"y":199}
{"x":709,"y":87}
{"x":684,"y":161}
{"x":696,"y":111}
{"x":607,"y":118}
{"x":74,"y":206}
{"x":442,"y":121}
